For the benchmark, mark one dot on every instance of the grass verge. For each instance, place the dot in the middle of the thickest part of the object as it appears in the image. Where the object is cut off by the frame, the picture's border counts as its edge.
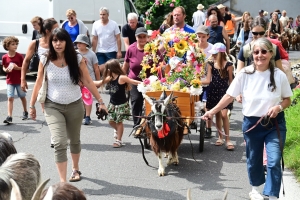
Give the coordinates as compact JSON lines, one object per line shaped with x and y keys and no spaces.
{"x":292,"y":144}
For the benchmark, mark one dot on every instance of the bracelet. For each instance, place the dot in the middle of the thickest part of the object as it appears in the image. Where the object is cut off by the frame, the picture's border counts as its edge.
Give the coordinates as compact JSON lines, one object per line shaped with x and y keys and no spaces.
{"x":32,"y":107}
{"x":101,"y":103}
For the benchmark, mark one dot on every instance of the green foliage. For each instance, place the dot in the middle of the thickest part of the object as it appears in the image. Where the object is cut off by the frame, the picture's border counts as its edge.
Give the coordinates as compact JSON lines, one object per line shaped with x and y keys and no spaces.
{"x":292,"y":144}
{"x":159,"y":12}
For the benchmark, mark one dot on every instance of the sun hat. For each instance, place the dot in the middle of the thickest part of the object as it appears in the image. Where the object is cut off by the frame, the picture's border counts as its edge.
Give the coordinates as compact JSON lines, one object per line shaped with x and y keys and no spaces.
{"x":141,"y":30}
{"x":218,"y":47}
{"x":220,"y":6}
{"x":200,"y":6}
{"x":265,"y":13}
{"x":202,"y":29}
{"x":86,"y":96}
{"x":82,"y":38}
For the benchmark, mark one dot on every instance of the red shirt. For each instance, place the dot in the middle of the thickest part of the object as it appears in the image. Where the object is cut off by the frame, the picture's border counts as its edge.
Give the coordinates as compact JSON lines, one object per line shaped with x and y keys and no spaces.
{"x":13,"y":77}
{"x":283,"y":54}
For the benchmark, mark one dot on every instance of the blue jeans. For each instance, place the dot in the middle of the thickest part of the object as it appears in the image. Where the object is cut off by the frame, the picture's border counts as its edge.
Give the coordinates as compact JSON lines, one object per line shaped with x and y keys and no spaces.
{"x":11,"y":90}
{"x":255,"y":140}
{"x":104,"y":57}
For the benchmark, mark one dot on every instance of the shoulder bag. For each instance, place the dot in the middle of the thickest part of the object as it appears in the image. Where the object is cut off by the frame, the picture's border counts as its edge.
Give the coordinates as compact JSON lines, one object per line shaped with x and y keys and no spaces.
{"x":43,"y":90}
{"x":34,"y":62}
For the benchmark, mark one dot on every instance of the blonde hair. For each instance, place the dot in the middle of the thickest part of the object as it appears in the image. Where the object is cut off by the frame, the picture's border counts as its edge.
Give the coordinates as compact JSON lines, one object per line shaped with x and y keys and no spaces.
{"x":243,"y":17}
{"x":70,"y":12}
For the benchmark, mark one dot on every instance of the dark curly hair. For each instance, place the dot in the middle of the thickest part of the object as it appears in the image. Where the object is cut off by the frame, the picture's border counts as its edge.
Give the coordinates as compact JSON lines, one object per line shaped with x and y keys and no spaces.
{"x":8,"y":40}
{"x":219,"y":15}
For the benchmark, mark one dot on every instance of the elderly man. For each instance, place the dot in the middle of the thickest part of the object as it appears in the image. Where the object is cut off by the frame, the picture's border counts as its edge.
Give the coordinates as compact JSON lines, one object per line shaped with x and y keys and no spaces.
{"x":106,"y":35}
{"x":284,"y":19}
{"x":128,"y":30}
{"x":179,"y":16}
{"x":198,"y":17}
{"x":217,"y":33}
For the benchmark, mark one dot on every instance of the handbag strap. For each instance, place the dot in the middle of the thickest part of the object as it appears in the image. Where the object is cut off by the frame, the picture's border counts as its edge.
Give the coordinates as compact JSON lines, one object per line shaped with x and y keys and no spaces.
{"x":37,"y":41}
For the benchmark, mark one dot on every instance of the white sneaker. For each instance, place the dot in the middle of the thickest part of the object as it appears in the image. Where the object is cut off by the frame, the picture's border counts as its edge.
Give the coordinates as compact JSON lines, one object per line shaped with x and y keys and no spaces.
{"x":254,"y":195}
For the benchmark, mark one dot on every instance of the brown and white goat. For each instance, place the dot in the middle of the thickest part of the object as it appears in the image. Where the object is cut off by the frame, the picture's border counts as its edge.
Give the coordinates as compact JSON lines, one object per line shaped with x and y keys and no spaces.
{"x":166,"y":129}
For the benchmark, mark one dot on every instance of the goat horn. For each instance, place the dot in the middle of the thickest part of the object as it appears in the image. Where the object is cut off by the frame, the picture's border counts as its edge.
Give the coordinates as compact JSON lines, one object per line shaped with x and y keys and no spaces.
{"x":39,"y":190}
{"x":15,"y":190}
{"x":225,"y":195}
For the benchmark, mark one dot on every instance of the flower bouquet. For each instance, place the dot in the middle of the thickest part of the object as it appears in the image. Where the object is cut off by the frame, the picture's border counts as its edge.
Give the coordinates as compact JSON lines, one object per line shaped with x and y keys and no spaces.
{"x":179,"y":66}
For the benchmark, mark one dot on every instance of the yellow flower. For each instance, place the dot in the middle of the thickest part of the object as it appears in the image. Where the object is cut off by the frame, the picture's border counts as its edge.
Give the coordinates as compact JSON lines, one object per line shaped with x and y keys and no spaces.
{"x":196,"y":83}
{"x":181,"y":47}
{"x":153,"y":70}
{"x":147,"y":47}
{"x":185,"y":89}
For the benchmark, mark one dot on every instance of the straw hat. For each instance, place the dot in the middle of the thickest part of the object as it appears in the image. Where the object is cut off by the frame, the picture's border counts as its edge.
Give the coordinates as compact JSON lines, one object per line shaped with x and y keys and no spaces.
{"x":200,"y":7}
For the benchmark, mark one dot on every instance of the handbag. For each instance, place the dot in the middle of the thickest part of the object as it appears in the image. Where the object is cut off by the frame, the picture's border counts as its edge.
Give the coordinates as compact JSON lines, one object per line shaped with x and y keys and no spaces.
{"x":34,"y":62}
{"x":43,"y":90}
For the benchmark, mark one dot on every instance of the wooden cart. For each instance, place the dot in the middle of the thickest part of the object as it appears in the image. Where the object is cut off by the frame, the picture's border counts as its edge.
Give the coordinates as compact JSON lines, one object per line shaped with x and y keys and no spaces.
{"x":186,"y":104}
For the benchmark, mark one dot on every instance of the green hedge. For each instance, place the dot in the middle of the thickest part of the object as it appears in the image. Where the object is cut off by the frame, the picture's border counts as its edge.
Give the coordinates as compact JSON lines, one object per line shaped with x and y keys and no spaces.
{"x":292,"y":144}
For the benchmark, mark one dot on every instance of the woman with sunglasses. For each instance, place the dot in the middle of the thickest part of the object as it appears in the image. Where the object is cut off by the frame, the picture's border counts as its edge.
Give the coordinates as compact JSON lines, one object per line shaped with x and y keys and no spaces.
{"x":74,"y":26}
{"x":264,"y":122}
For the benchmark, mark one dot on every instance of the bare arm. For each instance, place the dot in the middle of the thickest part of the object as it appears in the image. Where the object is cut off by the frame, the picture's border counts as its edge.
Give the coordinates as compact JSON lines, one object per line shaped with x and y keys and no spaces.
{"x":273,"y":111}
{"x":102,"y":82}
{"x":94,"y":43}
{"x":35,"y":91}
{"x":281,"y":27}
{"x":278,"y":64}
{"x":225,"y":36}
{"x":124,"y":79}
{"x":25,"y":64}
{"x":125,"y":67}
{"x":230,"y":72}
{"x":97,"y":71}
{"x":208,"y":76}
{"x":126,"y":42}
{"x":119,"y":54}
{"x":222,"y":24}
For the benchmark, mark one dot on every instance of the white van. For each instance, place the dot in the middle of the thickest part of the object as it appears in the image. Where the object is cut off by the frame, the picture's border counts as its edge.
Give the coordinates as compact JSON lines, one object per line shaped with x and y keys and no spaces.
{"x":15,"y":16}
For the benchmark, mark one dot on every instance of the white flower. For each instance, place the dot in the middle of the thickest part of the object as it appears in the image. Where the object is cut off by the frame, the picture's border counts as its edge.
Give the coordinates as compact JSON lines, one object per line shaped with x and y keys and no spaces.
{"x":152,"y":79}
{"x":142,"y":88}
{"x":195,"y":91}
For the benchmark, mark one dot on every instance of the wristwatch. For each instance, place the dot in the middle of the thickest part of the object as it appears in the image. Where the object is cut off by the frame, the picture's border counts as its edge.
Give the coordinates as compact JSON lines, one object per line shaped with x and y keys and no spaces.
{"x":281,"y":108}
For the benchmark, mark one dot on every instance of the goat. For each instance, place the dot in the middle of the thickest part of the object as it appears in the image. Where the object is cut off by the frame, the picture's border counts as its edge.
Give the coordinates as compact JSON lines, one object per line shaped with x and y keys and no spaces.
{"x":24,"y":169}
{"x":6,"y":147}
{"x":295,"y":42}
{"x":166,"y":132}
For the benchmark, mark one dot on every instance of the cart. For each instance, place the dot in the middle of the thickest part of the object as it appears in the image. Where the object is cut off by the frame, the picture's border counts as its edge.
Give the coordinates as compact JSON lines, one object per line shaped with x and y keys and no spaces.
{"x":186,"y":104}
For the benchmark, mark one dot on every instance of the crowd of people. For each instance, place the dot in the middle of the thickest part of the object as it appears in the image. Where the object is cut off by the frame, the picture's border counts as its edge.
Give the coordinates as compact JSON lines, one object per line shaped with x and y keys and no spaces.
{"x":70,"y":60}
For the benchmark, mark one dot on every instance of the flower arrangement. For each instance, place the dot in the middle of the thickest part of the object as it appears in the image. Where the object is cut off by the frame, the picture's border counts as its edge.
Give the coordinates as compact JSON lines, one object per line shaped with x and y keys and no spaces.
{"x":178,"y":68}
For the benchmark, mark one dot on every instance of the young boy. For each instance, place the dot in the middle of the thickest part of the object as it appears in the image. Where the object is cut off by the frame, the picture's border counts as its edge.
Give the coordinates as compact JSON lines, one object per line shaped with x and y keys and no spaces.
{"x":203,"y":34}
{"x":82,"y":43}
{"x":12,"y":63}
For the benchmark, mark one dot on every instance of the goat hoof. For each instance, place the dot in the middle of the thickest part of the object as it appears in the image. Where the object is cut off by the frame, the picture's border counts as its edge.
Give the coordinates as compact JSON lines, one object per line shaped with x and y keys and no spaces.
{"x":161,"y":172}
{"x":175,"y":163}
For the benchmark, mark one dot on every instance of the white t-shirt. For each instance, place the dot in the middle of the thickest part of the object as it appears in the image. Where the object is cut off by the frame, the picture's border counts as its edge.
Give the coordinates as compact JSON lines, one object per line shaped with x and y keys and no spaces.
{"x":207,"y":55}
{"x":284,"y":20}
{"x":198,"y":19}
{"x":60,"y":87}
{"x":107,"y":41}
{"x":91,"y":60}
{"x":257,"y":97}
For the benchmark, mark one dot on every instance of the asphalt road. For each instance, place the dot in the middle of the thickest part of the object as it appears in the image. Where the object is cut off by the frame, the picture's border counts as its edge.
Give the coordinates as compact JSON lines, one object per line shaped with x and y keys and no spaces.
{"x":110,"y":173}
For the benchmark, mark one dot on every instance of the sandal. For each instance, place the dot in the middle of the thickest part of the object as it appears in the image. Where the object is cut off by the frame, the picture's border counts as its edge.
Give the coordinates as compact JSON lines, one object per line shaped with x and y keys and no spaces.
{"x":115,"y":135}
{"x":75,"y":177}
{"x":117,"y":144}
{"x":219,"y":142}
{"x":229,"y":146}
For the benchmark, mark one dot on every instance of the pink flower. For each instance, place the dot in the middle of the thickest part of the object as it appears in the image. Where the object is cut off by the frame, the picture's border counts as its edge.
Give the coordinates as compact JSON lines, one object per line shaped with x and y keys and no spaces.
{"x":157,"y":2}
{"x":173,"y":0}
{"x":178,"y":69}
{"x":146,"y":81}
{"x":171,"y":4}
{"x":147,"y":13}
{"x":148,"y":22}
{"x":176,"y":39}
{"x":163,"y":80}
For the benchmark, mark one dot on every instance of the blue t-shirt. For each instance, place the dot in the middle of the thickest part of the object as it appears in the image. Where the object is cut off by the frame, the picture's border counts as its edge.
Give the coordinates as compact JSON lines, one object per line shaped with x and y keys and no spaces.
{"x":73,"y":31}
{"x":187,"y":28}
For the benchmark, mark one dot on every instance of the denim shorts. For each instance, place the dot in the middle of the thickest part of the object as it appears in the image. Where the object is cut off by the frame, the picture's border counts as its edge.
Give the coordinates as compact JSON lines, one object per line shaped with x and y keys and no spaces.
{"x":11,"y":90}
{"x":104,"y":57}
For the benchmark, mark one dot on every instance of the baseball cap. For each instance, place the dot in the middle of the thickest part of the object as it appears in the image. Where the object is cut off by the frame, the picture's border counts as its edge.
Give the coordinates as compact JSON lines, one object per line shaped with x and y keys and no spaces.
{"x":202,"y":29}
{"x":260,"y":11}
{"x":220,"y":6}
{"x":82,"y":38}
{"x":141,"y":30}
{"x":218,"y":47}
{"x":86,"y":96}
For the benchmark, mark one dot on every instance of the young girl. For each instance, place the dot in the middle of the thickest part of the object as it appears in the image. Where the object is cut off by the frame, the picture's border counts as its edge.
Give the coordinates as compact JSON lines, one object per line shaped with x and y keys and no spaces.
{"x":118,"y":108}
{"x":219,"y":77}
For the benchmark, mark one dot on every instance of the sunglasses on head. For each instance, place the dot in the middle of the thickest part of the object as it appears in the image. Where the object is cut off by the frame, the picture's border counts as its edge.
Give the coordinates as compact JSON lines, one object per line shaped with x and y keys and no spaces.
{"x":263,"y":51}
{"x":260,"y":33}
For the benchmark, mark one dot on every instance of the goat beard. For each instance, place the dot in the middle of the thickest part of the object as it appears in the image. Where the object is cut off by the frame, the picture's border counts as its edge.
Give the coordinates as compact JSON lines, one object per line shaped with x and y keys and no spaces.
{"x":164,"y":131}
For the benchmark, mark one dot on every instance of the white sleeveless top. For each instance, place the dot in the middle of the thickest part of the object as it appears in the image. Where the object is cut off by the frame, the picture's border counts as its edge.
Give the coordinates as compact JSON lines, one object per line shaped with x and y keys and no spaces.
{"x":60,"y":87}
{"x":42,"y":51}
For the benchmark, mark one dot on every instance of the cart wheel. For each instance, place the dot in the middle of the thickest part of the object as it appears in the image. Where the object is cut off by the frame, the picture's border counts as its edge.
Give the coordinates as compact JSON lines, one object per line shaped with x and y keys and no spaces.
{"x":201,"y":129}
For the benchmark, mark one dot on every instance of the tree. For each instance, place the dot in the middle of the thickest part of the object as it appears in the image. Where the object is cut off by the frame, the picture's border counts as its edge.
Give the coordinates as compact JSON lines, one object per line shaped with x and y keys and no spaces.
{"x":159,"y":11}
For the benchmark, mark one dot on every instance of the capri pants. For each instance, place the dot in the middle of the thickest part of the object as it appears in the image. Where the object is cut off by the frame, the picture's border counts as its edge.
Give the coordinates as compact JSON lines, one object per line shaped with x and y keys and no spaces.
{"x":64,"y":122}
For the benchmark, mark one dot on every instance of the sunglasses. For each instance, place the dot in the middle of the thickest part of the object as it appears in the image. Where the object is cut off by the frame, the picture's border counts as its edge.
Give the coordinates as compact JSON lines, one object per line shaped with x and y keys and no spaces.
{"x":263,"y":51}
{"x":260,"y":33}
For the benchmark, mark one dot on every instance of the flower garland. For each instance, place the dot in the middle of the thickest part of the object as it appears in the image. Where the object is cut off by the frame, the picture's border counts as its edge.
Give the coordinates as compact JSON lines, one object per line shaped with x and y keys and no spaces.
{"x":178,"y":68}
{"x":149,"y":13}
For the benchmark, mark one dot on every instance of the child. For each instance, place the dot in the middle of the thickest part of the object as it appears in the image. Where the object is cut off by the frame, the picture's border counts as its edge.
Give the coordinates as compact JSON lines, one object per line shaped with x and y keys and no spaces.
{"x":203,"y":34}
{"x":118,"y":107}
{"x":12,"y":63}
{"x":219,"y":77}
{"x":82,"y":42}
